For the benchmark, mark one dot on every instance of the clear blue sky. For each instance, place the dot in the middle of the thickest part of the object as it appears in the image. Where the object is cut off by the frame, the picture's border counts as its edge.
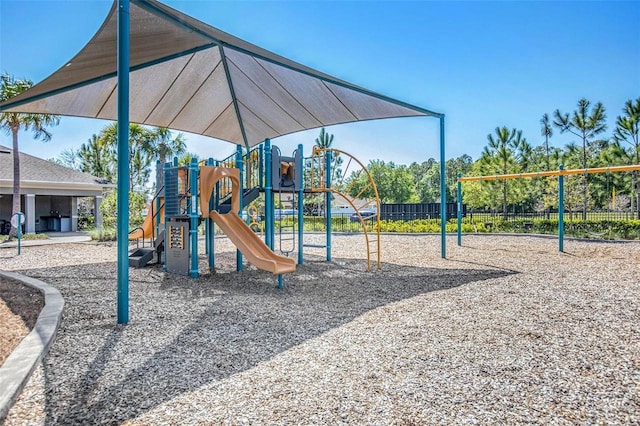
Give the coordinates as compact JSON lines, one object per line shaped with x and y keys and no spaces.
{"x":483,"y":64}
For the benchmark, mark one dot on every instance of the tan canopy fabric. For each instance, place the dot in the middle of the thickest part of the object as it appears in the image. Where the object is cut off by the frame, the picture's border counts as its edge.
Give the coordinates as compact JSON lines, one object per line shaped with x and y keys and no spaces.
{"x":187,"y":75}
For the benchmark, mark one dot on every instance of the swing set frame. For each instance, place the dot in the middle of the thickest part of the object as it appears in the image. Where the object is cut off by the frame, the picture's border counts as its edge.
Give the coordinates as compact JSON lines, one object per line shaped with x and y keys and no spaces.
{"x":561,"y":173}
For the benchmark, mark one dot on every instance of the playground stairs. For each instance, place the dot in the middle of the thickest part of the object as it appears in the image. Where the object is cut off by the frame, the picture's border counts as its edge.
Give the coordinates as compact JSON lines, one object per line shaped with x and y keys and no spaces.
{"x":140,"y":257}
{"x":248,"y":196}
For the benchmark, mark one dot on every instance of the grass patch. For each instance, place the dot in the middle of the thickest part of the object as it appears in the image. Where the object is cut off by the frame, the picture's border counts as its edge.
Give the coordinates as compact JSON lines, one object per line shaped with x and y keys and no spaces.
{"x":29,"y":237}
{"x":103,"y":234}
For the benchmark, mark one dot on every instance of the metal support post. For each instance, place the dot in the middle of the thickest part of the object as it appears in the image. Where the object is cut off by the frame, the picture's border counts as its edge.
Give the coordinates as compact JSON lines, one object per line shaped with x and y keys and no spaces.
{"x":443,"y":194}
{"x":240,"y":166}
{"x":193,"y":217}
{"x":268,"y":197}
{"x":459,"y":210}
{"x":328,"y":201}
{"x":165,"y":167}
{"x":159,"y":193}
{"x":261,"y":166}
{"x":300,"y":175}
{"x":123,"y":161}
{"x":210,"y":227}
{"x":20,"y":220}
{"x":561,"y":210}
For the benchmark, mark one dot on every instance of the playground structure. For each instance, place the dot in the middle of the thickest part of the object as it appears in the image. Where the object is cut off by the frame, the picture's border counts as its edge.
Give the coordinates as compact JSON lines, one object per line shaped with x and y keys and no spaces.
{"x":244,"y":94}
{"x":561,"y":173}
{"x":217,"y":192}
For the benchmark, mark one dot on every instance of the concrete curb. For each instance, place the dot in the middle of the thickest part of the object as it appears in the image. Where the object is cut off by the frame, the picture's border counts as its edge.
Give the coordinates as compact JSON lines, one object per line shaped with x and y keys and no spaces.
{"x":17,"y":368}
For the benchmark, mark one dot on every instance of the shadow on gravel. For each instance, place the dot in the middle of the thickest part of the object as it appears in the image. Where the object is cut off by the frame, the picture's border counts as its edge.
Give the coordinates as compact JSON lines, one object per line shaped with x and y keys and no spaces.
{"x":186,"y":333}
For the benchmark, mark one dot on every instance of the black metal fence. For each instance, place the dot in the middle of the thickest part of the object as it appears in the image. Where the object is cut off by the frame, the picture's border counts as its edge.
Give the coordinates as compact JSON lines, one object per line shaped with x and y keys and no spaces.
{"x":413,"y":211}
{"x":490,"y":216}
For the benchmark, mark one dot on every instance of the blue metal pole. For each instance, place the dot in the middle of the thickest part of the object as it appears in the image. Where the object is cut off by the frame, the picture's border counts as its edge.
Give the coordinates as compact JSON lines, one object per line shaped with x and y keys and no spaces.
{"x":216,"y":201}
{"x":328,"y":201}
{"x":160,"y":193}
{"x":443,"y":194}
{"x":165,"y":168}
{"x":123,"y":161}
{"x":19,"y":229}
{"x":459,"y":210}
{"x":268,"y":196}
{"x":193,"y":216}
{"x":300,"y":175}
{"x":210,"y":229}
{"x":240,"y":166}
{"x":261,"y":166}
{"x":561,"y":210}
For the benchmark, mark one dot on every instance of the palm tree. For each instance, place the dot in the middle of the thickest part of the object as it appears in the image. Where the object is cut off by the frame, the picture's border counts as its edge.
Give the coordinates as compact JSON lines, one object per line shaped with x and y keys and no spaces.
{"x":628,"y":130}
{"x":508,"y":152}
{"x":12,"y":122}
{"x":162,"y":144}
{"x":547,"y":131}
{"x":585,"y":124}
{"x":139,"y":158}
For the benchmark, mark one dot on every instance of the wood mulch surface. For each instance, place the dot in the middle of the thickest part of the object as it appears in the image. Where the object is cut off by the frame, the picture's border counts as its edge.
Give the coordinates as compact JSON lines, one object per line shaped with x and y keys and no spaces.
{"x":19,"y":309}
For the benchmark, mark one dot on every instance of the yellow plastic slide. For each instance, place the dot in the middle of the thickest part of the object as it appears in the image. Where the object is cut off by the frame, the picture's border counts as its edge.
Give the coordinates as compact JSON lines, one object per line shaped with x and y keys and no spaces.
{"x":251,"y":246}
{"x":148,"y":228}
{"x":240,"y":234}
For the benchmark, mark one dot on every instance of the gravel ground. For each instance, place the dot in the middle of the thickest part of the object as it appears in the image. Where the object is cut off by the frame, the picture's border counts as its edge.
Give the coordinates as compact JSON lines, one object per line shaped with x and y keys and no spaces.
{"x":506,"y":330}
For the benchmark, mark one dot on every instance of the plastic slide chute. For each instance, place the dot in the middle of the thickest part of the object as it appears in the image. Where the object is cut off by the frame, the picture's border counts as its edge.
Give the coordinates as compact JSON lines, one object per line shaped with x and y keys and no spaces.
{"x":251,"y":246}
{"x":240,"y":234}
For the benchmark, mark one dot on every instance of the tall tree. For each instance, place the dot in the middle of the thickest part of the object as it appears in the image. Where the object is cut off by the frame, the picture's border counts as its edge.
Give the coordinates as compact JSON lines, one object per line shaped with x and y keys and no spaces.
{"x":547,"y":131}
{"x":585,"y":123}
{"x":507,"y":152}
{"x":69,"y":158}
{"x":12,"y":122}
{"x":98,"y":158}
{"x":395,"y":184}
{"x":325,"y":140}
{"x":139,"y":158}
{"x":161,"y":144}
{"x":628,"y":130}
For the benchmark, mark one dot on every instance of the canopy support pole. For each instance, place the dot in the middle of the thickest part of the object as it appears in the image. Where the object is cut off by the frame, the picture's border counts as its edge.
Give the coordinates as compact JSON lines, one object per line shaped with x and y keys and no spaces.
{"x":459,"y":204}
{"x":123,"y":161}
{"x":443,"y":194}
{"x":561,"y":210}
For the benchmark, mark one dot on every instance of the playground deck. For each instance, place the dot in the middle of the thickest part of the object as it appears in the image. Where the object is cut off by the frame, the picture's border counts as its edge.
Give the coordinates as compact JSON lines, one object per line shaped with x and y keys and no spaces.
{"x":507,"y":330}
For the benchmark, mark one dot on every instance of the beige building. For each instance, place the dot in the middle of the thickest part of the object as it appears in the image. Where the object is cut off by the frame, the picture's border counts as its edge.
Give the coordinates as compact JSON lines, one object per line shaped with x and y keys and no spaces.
{"x":49,"y":193}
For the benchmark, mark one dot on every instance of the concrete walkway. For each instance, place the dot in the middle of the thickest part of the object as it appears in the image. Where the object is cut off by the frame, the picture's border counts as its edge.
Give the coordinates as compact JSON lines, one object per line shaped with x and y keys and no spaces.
{"x":54,"y":238}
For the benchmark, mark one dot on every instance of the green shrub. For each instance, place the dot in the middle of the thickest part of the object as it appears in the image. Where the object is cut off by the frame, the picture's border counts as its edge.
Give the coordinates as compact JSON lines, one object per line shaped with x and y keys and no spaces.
{"x":109,"y":209}
{"x":104,"y":234}
{"x":86,"y":223}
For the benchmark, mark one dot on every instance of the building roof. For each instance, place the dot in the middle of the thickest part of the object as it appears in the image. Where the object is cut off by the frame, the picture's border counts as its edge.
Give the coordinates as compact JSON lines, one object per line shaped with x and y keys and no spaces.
{"x":36,"y":172}
{"x":187,"y":75}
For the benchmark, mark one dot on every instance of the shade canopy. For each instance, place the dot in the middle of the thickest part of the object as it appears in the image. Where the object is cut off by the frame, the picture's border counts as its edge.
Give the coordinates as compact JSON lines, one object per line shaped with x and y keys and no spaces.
{"x":189,"y":76}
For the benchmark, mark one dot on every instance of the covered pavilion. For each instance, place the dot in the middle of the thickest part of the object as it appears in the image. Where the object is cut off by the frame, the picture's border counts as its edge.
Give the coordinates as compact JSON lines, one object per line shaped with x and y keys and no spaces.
{"x":153,"y":65}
